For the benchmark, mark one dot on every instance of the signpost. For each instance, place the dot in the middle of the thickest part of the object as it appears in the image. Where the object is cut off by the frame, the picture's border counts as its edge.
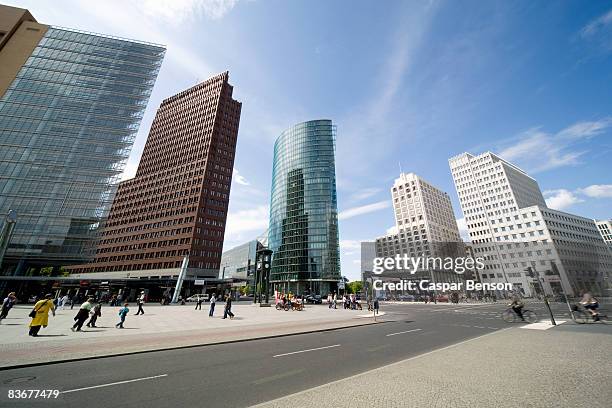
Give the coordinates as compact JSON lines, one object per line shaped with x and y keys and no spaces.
{"x":181,"y":278}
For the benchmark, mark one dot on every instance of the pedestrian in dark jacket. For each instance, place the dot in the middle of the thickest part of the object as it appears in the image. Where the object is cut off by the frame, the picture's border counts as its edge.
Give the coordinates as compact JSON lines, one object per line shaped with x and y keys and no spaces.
{"x":228,"y":308}
{"x":7,"y":305}
{"x":82,"y":315}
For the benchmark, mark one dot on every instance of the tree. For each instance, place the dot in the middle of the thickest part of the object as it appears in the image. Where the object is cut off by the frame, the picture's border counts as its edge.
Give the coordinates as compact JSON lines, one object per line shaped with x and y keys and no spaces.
{"x":354,"y":287}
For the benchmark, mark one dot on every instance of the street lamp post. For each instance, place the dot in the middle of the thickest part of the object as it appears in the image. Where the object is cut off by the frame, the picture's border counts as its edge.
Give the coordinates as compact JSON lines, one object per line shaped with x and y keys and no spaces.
{"x":264,"y":261}
{"x":531,"y":271}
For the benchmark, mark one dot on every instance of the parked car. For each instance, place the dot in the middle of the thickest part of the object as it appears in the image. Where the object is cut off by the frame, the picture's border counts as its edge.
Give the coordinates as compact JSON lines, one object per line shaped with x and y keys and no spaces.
{"x":194,"y":298}
{"x":314,"y":299}
{"x":406,"y":298}
{"x":32,"y":299}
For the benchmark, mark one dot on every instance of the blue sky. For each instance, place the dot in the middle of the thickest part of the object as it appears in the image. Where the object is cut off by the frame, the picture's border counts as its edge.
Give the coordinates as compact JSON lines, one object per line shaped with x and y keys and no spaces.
{"x":410,"y":82}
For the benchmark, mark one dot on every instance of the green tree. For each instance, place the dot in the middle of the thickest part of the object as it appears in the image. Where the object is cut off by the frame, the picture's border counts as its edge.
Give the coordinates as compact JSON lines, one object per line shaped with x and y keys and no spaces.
{"x":354,"y":287}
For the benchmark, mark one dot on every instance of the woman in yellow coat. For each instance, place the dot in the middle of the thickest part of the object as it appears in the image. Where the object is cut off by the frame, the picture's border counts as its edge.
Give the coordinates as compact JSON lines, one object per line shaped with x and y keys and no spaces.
{"x":41,"y":308}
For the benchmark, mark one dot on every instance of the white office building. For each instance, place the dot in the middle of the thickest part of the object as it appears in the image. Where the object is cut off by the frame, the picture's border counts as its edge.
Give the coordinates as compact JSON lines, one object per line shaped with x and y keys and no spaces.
{"x":605,"y":229}
{"x":425,"y":224}
{"x":511,"y":227}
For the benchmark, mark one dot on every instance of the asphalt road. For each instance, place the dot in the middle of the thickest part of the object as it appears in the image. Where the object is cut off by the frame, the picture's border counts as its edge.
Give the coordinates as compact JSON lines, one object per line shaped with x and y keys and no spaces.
{"x":246,"y":373}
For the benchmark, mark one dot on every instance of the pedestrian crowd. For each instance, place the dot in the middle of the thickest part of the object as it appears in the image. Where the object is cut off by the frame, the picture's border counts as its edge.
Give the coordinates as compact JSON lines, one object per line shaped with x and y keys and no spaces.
{"x":91,"y":309}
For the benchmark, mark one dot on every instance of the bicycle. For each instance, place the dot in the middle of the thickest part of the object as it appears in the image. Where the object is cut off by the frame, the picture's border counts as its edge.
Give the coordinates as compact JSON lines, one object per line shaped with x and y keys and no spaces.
{"x":510,"y":316}
{"x":285,"y":307}
{"x":581,"y":316}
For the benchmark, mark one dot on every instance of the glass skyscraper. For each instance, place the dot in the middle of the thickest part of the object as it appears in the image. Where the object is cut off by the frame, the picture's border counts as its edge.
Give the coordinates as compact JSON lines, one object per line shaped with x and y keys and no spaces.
{"x":68,"y":120}
{"x":303,"y":210}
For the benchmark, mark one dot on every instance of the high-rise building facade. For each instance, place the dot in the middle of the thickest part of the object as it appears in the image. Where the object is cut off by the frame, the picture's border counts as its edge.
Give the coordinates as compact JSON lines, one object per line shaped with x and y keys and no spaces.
{"x":303,"y":210}
{"x":513,"y":230}
{"x":425,"y":225}
{"x":176,"y":205}
{"x":71,"y":103}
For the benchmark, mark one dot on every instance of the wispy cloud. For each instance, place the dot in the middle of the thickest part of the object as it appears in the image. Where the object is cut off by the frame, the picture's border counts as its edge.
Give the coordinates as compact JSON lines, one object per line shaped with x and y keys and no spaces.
{"x":600,"y":23}
{"x":561,"y":199}
{"x":364,"y":209}
{"x":536,"y":150}
{"x":364,"y":193}
{"x":240,"y":179}
{"x":178,"y":11}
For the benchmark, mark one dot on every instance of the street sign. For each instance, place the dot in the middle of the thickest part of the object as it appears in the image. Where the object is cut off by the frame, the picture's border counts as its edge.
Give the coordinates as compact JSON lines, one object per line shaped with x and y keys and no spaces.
{"x":199,"y":282}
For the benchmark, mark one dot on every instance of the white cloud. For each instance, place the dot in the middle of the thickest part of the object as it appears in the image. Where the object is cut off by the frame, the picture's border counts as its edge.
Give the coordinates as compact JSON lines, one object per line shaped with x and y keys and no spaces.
{"x":238,"y":178}
{"x":179,"y":11}
{"x":364,"y":209}
{"x":536,"y":150}
{"x":252,"y":220}
{"x":597,"y":191}
{"x":596,"y":25}
{"x":463,"y":229}
{"x":561,"y":199}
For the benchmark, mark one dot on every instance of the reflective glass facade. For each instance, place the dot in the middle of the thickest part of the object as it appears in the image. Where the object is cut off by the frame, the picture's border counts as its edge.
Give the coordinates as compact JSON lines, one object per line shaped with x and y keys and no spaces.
{"x":303,"y":210}
{"x":67,"y":125}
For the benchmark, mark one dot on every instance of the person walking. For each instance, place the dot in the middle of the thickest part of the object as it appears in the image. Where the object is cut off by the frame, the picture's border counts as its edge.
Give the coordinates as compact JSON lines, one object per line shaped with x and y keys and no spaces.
{"x":335,"y":300}
{"x":376,"y":306}
{"x":95,"y":313}
{"x":82,"y":315}
{"x":228,"y":308}
{"x":199,"y":303}
{"x":123,"y":312}
{"x":213,"y":300}
{"x":40,"y":314}
{"x":7,"y":305}
{"x":72,"y":302}
{"x":65,"y":300}
{"x":140,"y":301}
{"x":329,"y":300}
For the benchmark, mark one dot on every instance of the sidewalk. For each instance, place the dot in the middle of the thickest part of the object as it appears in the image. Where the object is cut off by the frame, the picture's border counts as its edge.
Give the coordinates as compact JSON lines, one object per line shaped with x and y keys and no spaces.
{"x":509,"y":368}
{"x":161,"y":327}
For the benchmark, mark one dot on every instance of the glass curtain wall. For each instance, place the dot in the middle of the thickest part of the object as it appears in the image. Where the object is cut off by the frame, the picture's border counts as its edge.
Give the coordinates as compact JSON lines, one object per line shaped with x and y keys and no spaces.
{"x":67,"y":125}
{"x":303,"y":210}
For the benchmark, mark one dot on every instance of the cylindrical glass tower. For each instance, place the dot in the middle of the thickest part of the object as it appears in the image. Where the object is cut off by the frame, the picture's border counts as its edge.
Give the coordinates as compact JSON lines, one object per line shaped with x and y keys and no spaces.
{"x":303,"y":210}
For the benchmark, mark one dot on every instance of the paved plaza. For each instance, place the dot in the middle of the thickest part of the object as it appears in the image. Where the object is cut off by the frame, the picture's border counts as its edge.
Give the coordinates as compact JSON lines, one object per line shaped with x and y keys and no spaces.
{"x":160,"y":327}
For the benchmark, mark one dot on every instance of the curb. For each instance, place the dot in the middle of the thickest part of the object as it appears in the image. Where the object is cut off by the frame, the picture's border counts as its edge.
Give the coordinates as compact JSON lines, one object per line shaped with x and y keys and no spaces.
{"x":70,"y":360}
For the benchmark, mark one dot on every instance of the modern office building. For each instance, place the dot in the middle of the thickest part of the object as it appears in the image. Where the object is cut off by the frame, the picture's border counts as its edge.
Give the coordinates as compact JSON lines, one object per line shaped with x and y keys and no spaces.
{"x":239,"y":262}
{"x":303,"y":210}
{"x":426,"y":227}
{"x":176,"y":205}
{"x":512,"y":229}
{"x":368,"y":253}
{"x":605,"y":229}
{"x":71,"y":103}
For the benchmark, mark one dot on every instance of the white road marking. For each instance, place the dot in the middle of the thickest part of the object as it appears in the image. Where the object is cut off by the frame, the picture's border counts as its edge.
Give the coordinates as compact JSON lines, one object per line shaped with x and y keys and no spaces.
{"x":479,"y":327}
{"x":541,"y":325}
{"x":115,"y":383}
{"x":305,"y":351}
{"x":402,"y":332}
